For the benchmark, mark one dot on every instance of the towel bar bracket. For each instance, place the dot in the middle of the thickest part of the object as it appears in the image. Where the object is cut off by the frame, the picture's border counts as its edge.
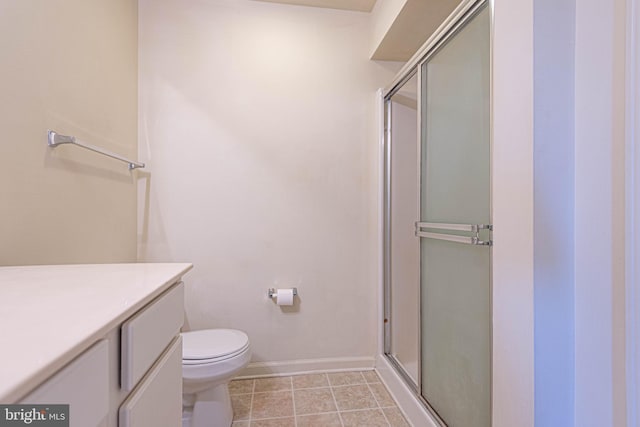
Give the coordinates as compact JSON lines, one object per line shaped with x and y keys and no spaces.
{"x":54,"y":139}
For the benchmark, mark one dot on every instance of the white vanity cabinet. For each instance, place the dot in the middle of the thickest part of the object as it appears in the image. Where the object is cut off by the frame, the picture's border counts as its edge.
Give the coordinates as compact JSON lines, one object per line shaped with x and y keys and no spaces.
{"x":126,"y":374}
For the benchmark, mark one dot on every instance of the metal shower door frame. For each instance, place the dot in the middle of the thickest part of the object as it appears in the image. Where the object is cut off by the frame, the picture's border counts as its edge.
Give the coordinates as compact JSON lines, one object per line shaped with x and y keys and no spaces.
{"x":462,"y":15}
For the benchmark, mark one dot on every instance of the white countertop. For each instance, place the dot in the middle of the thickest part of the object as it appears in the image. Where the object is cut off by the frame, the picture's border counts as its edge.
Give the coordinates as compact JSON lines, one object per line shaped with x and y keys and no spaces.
{"x":51,"y":314}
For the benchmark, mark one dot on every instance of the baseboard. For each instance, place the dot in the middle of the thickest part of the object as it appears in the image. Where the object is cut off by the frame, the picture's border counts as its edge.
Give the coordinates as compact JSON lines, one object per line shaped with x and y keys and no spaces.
{"x":304,"y":366}
{"x":413,"y":410}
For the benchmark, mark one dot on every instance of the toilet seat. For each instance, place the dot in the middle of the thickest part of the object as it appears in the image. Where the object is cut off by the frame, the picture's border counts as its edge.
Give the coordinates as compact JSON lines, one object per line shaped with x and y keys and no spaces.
{"x":212,"y":346}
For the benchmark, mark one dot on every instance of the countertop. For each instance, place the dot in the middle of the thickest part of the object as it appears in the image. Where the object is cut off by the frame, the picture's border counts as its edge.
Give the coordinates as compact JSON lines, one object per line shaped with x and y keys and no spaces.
{"x":50,"y":314}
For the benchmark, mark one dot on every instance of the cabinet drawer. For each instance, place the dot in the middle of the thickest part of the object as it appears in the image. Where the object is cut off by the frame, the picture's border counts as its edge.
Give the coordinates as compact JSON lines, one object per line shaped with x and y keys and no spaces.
{"x":157,"y":400}
{"x":148,"y":333}
{"x":83,"y":385}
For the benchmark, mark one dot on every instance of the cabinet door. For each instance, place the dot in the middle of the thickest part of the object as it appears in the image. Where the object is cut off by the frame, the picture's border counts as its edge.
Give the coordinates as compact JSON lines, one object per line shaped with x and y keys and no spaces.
{"x":157,"y":400}
{"x":148,"y":332}
{"x":83,"y":385}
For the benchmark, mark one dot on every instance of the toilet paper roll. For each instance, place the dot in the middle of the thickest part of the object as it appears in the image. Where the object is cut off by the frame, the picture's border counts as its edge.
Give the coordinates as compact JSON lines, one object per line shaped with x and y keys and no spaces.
{"x":284,"y":297}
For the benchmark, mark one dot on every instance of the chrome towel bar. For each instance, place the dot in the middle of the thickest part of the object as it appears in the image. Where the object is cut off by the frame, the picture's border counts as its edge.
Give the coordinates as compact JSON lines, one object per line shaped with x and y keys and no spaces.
{"x":54,"y":139}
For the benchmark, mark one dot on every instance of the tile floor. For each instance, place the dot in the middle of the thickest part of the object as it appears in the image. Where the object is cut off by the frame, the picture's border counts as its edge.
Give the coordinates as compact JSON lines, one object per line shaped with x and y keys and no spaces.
{"x":341,"y":399}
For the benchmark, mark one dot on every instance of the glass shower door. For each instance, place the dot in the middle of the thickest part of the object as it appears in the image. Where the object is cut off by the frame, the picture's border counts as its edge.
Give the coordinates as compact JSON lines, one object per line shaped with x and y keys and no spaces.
{"x":454,"y":230}
{"x":403,"y":257}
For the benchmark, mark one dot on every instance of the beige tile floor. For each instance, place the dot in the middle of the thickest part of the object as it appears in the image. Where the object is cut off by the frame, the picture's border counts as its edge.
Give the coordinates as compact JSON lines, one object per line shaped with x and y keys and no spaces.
{"x":341,"y":399}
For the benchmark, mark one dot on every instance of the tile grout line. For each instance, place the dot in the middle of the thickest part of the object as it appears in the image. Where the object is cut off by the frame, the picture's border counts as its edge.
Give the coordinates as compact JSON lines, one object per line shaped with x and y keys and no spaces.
{"x":318,"y":413}
{"x":347,"y":385}
{"x":302,"y":415}
{"x":314,"y":388}
{"x":293,"y":400}
{"x":378,"y":403}
{"x":311,"y":414}
{"x":272,"y":391}
{"x":253,"y":392}
{"x":335,"y":402}
{"x":361,"y":410}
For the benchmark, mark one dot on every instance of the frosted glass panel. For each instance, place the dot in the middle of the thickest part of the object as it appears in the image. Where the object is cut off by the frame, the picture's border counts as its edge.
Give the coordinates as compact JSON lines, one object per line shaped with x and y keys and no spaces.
{"x":405,"y":247}
{"x":456,"y":322}
{"x":455,"y":188}
{"x":455,"y":134}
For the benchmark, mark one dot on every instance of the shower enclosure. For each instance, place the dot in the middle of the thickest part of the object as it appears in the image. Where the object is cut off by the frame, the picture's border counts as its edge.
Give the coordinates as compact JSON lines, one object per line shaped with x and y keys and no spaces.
{"x":437,"y":220}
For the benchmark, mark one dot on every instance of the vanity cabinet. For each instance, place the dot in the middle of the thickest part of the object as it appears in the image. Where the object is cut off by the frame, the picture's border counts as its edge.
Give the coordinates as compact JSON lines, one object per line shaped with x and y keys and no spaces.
{"x":129,"y":377}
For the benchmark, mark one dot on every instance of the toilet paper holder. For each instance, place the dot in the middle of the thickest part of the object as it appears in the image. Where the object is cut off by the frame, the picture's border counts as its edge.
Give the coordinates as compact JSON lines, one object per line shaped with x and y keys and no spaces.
{"x":273,"y":292}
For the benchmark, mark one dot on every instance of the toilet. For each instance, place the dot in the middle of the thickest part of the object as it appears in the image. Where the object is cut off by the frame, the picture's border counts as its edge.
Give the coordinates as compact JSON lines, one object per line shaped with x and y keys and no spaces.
{"x":210,"y":359}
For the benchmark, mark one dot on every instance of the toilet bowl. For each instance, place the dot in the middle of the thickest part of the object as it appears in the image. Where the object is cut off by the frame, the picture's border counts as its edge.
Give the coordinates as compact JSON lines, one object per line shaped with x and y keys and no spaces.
{"x":210,"y":359}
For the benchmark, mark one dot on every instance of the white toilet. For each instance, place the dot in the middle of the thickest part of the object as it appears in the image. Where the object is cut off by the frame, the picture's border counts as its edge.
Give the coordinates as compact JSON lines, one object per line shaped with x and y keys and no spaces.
{"x":210,"y":359}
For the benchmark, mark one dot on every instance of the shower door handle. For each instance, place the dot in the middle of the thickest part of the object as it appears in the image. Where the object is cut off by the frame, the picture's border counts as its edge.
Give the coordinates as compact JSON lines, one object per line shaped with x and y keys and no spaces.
{"x":467,"y":240}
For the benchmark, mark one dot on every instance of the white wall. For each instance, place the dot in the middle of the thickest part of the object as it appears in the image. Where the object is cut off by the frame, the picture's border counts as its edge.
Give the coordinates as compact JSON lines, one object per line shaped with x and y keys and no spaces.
{"x":554,"y":213}
{"x":587,"y":230}
{"x":597,"y":214}
{"x":70,"y":66}
{"x":599,"y":207}
{"x":632,"y":189}
{"x":512,"y":189}
{"x":258,"y":122}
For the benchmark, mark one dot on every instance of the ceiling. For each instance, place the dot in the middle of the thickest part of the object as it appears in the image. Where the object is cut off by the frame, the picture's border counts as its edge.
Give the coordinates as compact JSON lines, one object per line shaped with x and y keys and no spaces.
{"x":417,"y":20}
{"x":359,"y":5}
